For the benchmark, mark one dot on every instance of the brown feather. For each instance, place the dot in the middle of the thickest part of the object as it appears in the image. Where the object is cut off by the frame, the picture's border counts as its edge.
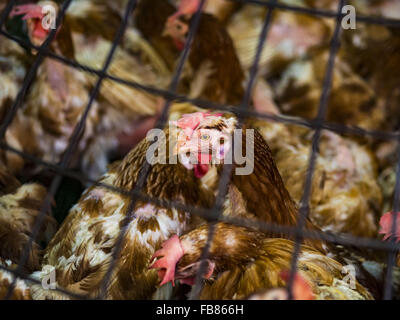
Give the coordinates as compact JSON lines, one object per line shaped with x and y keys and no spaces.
{"x":264,"y":192}
{"x":246,"y":261}
{"x":213,"y":44}
{"x":18,"y":212}
{"x":81,"y":250}
{"x":150,"y":18}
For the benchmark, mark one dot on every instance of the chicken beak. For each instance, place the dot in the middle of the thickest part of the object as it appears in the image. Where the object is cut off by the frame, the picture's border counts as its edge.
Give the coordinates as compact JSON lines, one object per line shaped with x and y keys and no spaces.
{"x":166,"y":32}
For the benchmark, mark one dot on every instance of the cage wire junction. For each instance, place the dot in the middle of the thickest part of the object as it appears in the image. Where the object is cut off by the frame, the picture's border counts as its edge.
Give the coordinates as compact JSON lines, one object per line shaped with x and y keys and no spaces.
{"x":242,"y":112}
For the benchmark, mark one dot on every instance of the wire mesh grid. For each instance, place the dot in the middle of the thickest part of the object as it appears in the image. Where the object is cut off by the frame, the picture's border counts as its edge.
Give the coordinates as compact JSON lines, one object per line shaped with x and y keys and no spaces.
{"x":242,"y":111}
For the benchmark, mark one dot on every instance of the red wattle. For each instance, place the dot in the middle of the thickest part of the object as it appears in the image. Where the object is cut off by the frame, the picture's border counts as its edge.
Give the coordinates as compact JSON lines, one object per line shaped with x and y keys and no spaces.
{"x":39,"y":31}
{"x":179,"y":44}
{"x":200,"y":170}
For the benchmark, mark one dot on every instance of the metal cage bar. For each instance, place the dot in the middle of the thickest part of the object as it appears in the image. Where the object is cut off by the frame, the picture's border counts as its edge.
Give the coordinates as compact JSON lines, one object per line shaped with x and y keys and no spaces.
{"x":322,"y":110}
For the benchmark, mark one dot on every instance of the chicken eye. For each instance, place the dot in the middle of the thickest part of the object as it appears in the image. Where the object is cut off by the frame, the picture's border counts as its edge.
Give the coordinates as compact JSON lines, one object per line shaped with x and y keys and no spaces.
{"x":221,"y":140}
{"x":205,"y":137}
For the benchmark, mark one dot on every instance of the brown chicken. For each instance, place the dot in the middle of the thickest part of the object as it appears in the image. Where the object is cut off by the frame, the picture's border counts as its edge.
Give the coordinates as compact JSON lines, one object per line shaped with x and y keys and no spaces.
{"x":261,"y":194}
{"x":212,"y":58}
{"x":20,"y":204}
{"x":126,"y":114}
{"x":242,"y":261}
{"x":19,"y":208}
{"x":12,"y":73}
{"x":258,"y":193}
{"x":59,"y":94}
{"x":352,"y":101}
{"x":372,"y":51}
{"x":294,"y":60}
{"x":53,"y":105}
{"x":82,"y":249}
{"x":150,"y":19}
{"x":345,"y":197}
{"x":290,"y":36}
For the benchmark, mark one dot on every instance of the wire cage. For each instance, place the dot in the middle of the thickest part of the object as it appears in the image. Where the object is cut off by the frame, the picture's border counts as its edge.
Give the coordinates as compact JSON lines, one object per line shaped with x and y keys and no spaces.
{"x":319,"y":123}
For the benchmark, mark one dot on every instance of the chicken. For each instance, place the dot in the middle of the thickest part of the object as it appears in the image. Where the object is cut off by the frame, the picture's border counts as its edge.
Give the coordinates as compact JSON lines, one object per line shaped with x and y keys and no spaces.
{"x":290,"y":36}
{"x":150,"y":19}
{"x":86,"y":17}
{"x":93,"y":51}
{"x":60,"y":93}
{"x":346,"y":197}
{"x":206,"y":74}
{"x":13,"y":70}
{"x":352,"y":101}
{"x":214,"y":72}
{"x":19,"y":207}
{"x":242,"y":261}
{"x":55,"y":101}
{"x":372,"y":51}
{"x":126,"y":113}
{"x":294,"y":60}
{"x":256,"y":185}
{"x":82,"y":249}
{"x":123,"y":110}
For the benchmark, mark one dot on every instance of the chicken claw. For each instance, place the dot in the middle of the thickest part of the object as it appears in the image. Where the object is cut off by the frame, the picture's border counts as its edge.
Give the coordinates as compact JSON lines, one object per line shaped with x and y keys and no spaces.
{"x":171,"y":252}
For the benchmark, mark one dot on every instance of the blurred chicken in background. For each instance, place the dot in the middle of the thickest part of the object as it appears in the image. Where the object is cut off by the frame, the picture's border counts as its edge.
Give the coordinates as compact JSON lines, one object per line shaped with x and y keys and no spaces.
{"x":20,"y":206}
{"x":60,"y":94}
{"x":346,"y":197}
{"x":212,"y":56}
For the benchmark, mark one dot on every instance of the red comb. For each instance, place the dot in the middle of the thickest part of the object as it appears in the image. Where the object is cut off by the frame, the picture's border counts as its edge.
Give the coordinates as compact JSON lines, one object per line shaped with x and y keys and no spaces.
{"x":185,"y":7}
{"x":190,"y":121}
{"x":29,"y":11}
{"x":188,"y":6}
{"x":386,"y":223}
{"x":171,"y":252}
{"x":301,"y":288}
